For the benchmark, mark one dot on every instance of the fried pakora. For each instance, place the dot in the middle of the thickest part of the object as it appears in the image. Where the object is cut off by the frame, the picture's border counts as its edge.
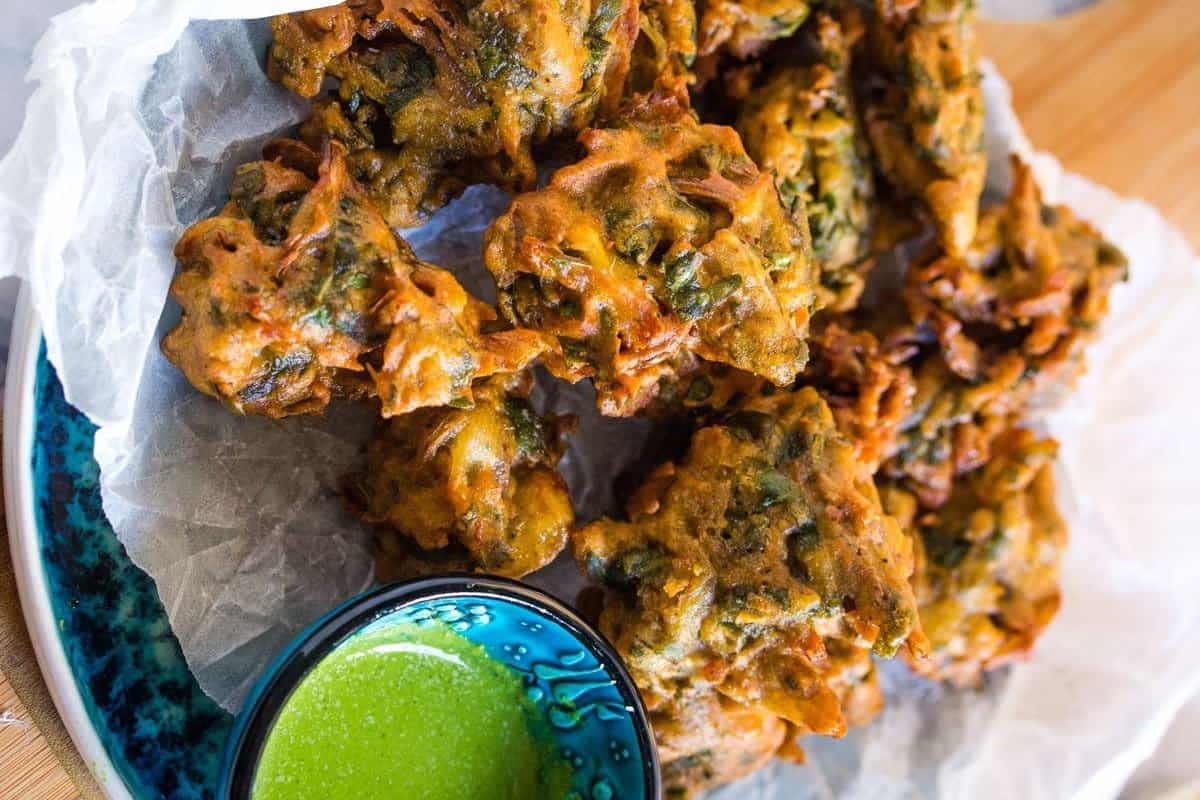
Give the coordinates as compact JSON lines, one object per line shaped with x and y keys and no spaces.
{"x":665,"y":240}
{"x":849,"y":671}
{"x":435,"y":96}
{"x":988,"y":560}
{"x":1035,"y":281}
{"x":713,"y":740}
{"x":744,"y":27}
{"x":997,"y":331}
{"x":951,"y":425}
{"x":480,"y":479}
{"x":869,"y":393}
{"x":801,"y":126}
{"x":967,"y":346}
{"x":923,"y":108}
{"x":665,"y":48}
{"x":739,"y":562}
{"x":298,"y":291}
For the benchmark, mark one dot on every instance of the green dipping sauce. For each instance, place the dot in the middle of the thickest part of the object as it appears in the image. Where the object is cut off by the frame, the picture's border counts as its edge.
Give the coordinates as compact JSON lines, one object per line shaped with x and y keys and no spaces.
{"x":409,"y":711}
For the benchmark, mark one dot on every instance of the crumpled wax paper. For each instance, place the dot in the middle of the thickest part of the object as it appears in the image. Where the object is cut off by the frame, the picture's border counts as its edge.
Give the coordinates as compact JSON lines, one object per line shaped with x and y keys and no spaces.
{"x":132,"y":134}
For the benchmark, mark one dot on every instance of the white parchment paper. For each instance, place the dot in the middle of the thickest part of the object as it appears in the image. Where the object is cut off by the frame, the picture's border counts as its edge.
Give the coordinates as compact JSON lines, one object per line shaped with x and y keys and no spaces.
{"x":131,"y":135}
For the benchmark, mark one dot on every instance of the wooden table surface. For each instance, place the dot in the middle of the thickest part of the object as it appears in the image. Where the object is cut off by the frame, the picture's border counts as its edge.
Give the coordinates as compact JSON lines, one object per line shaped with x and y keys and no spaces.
{"x":1113,"y":91}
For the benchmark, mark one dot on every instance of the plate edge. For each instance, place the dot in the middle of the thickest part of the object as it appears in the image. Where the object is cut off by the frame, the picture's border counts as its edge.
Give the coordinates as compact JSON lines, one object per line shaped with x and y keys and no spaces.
{"x":40,"y":621}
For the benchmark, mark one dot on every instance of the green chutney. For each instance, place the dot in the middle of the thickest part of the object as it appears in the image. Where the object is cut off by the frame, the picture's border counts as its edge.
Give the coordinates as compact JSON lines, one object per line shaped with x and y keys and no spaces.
{"x":413,"y":712}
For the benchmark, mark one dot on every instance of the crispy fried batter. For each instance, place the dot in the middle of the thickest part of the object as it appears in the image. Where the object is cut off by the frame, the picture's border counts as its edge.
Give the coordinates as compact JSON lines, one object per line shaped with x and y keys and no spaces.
{"x":1035,"y":281}
{"x":802,"y":127}
{"x":480,"y":479}
{"x":870,"y":395}
{"x":988,"y":560}
{"x":851,"y":673}
{"x":952,"y":424}
{"x":665,"y":48}
{"x":923,"y":108}
{"x":713,"y":740}
{"x":664,"y":240}
{"x":744,"y":27}
{"x":1009,"y":323}
{"x":740,"y":559}
{"x":972,"y":344}
{"x":849,"y":670}
{"x":297,"y":290}
{"x":434,"y":96}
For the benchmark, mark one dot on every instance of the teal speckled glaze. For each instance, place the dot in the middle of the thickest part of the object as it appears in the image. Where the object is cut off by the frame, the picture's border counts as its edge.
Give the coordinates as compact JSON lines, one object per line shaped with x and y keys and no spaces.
{"x":163,"y":734}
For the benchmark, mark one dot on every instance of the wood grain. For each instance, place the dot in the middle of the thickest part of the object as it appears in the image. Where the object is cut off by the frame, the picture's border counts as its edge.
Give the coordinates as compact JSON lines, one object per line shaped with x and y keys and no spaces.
{"x":28,"y":768}
{"x":1113,"y":91}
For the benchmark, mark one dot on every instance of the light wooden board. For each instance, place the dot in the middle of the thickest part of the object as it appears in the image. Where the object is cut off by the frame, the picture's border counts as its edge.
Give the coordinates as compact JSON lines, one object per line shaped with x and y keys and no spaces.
{"x":1113,"y":91}
{"x":28,"y":768}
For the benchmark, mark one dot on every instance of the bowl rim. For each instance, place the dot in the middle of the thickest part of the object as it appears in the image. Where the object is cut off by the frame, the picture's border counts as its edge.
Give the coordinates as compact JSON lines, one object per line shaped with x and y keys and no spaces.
{"x":273,"y":688}
{"x":20,"y":416}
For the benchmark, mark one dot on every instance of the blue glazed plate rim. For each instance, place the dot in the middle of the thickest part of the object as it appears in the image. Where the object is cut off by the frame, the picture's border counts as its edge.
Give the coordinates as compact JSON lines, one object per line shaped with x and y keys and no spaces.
{"x":24,"y":542}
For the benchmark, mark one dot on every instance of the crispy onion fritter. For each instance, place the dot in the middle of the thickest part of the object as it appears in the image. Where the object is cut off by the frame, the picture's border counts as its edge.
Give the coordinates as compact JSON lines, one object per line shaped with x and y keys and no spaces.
{"x":923,"y":108}
{"x":744,"y":27}
{"x":480,"y":479}
{"x":997,"y":332}
{"x":434,"y":96}
{"x":870,"y":394}
{"x":665,"y":49}
{"x":738,"y":562}
{"x":710,"y":740}
{"x":988,"y":560}
{"x":801,"y":126}
{"x":664,"y":240}
{"x":298,"y":291}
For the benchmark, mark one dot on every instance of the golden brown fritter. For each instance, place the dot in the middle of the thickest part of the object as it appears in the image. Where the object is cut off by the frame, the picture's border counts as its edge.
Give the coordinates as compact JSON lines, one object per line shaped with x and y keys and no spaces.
{"x":434,"y":96}
{"x":1035,"y":281}
{"x":923,"y":108}
{"x":997,"y":331}
{"x":480,"y":479}
{"x":739,"y":561}
{"x":952,"y":423}
{"x":969,"y":345}
{"x":849,"y":671}
{"x":801,"y":126}
{"x":713,"y":740}
{"x":988,"y":560}
{"x":870,"y":394}
{"x":298,"y":290}
{"x":744,"y":27}
{"x":663,"y":241}
{"x":665,"y":48}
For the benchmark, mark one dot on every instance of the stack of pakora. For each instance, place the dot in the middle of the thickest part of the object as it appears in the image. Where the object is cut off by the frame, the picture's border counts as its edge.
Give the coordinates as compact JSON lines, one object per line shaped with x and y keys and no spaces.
{"x":746,"y":578}
{"x":721,"y":181}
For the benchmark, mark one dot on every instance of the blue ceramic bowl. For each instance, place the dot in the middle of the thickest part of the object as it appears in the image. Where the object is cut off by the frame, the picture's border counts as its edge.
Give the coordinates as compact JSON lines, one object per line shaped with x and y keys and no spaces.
{"x":571,"y":673}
